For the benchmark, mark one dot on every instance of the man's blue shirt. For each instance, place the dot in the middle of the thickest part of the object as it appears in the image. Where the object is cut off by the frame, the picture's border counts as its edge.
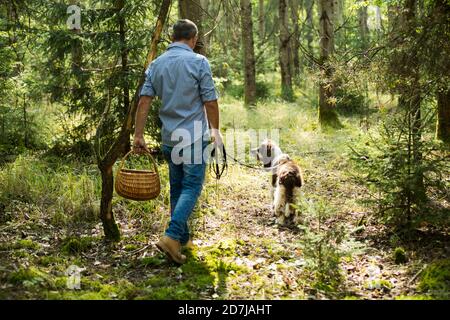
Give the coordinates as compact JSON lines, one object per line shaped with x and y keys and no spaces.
{"x":183,"y":81}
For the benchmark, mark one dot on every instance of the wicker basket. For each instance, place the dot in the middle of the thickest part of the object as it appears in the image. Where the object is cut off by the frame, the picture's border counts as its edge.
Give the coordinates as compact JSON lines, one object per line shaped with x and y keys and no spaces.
{"x":137,"y":185}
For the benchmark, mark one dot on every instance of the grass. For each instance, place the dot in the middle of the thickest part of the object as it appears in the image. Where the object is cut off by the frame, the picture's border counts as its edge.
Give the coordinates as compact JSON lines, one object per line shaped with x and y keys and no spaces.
{"x":50,"y":189}
{"x":49,"y":222}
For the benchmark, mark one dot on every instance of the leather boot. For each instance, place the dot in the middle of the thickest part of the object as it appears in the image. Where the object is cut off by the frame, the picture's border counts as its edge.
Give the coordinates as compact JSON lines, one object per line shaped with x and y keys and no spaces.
{"x":171,"y":248}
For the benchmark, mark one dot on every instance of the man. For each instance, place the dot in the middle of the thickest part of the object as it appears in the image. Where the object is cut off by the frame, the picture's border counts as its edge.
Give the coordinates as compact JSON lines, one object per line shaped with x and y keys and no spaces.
{"x":183,"y":81}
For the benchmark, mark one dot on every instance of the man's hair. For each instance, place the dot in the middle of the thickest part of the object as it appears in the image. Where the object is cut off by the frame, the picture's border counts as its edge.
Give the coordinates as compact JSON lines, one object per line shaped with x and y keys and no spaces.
{"x":184,"y":29}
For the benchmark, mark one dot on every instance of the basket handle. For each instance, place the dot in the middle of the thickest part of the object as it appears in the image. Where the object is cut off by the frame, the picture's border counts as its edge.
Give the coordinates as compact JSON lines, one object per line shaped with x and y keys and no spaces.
{"x":146,"y":152}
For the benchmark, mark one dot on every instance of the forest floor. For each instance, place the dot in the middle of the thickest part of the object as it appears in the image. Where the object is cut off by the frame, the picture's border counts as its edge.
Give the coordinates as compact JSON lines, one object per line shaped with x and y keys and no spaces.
{"x":241,"y":253}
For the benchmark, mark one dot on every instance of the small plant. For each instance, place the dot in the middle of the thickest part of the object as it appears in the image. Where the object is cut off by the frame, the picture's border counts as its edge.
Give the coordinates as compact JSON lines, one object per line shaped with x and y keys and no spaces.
{"x":400,"y":255}
{"x":402,"y":167}
{"x":320,"y":245}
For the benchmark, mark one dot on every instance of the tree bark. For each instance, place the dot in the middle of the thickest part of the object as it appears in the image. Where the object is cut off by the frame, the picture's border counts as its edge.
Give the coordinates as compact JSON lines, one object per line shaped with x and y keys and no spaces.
{"x":261,"y":20}
{"x":110,"y":227}
{"x":284,"y":52}
{"x":327,"y":109}
{"x":105,"y":162}
{"x":363,"y":27}
{"x":309,"y":6}
{"x":77,"y":55}
{"x":443,"y":117}
{"x":207,"y":38}
{"x":77,"y":61}
{"x":192,"y":10}
{"x":249,"y":53}
{"x":295,"y":39}
{"x":25,"y":122}
{"x":410,"y":99}
{"x":124,"y":59}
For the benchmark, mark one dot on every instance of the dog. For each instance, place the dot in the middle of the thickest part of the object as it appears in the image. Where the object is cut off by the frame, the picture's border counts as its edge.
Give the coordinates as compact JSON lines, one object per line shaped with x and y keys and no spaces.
{"x":287,"y":179}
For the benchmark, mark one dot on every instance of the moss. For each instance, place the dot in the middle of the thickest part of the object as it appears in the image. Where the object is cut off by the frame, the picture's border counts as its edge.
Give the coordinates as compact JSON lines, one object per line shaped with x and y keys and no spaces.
{"x":20,"y":254}
{"x":379,"y":284}
{"x":400,"y":256}
{"x":152,"y":261}
{"x":61,"y":282}
{"x":198,"y":275}
{"x":130,"y":247}
{"x":435,"y":279}
{"x":27,"y":277}
{"x":28,"y":244}
{"x":168,"y":293}
{"x":111,"y":230}
{"x":49,"y":260}
{"x":159,"y":287}
{"x":75,"y":295}
{"x":91,"y":285}
{"x":414,"y":297}
{"x":21,"y":244}
{"x":225,"y":248}
{"x":94,"y":290}
{"x":76,"y":245}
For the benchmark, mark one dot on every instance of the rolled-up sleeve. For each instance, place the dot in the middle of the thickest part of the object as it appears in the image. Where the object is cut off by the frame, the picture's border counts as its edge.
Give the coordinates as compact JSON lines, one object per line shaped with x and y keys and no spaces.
{"x":208,"y":91}
{"x":147,"y":88}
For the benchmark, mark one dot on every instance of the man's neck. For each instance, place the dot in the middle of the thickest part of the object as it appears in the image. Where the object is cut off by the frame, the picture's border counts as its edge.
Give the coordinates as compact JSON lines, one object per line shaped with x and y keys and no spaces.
{"x":183,"y":42}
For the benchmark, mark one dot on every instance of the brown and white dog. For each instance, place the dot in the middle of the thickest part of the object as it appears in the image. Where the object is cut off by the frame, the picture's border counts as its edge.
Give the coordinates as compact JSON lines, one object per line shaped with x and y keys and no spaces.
{"x":287,"y":179}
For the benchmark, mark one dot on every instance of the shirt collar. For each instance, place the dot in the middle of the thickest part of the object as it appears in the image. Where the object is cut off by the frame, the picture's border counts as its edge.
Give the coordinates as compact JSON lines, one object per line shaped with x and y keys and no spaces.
{"x":179,"y":45}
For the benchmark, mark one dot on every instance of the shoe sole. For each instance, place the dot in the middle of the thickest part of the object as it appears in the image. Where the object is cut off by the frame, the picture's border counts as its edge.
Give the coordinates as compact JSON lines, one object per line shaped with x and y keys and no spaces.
{"x":162,"y":247}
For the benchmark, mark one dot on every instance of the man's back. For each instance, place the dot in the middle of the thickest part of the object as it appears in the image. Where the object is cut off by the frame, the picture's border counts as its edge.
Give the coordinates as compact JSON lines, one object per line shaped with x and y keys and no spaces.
{"x":183,"y":81}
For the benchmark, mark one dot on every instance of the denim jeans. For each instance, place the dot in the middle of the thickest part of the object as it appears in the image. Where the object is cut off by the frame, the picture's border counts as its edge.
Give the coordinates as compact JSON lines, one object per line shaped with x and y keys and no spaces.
{"x":186,"y":182}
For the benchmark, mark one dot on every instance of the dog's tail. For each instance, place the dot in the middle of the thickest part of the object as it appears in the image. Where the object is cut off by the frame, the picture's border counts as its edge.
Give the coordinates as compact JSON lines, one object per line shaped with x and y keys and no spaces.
{"x":290,"y":180}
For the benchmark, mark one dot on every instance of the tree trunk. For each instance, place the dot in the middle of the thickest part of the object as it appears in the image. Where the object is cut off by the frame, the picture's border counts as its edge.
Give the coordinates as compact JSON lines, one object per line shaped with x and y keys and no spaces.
{"x":110,"y":227}
{"x":77,"y":55}
{"x":284,"y":54}
{"x":249,"y":53}
{"x":443,"y":118}
{"x":25,"y":123}
{"x":192,"y":10}
{"x":295,"y":39}
{"x":363,"y":27}
{"x":3,"y":129}
{"x":207,"y":38}
{"x":261,"y":20}
{"x":309,"y":6}
{"x":411,"y":98}
{"x":77,"y":60}
{"x":105,"y":162}
{"x":124,"y":59}
{"x":327,"y":109}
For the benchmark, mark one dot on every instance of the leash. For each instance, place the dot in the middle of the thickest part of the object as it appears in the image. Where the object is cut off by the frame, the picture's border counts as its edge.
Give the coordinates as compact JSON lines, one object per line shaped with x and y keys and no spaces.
{"x":220,"y":166}
{"x":217,"y":167}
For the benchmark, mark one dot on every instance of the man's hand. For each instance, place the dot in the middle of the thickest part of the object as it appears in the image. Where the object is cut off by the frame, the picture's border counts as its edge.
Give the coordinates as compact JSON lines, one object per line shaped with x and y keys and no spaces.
{"x":216,"y":137}
{"x":139,"y":145}
{"x":212,"y":112}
